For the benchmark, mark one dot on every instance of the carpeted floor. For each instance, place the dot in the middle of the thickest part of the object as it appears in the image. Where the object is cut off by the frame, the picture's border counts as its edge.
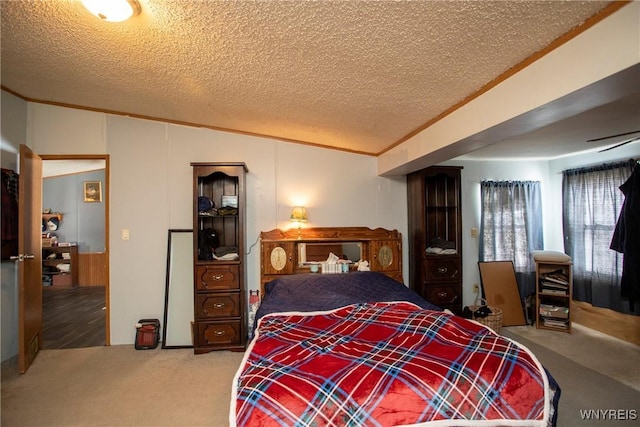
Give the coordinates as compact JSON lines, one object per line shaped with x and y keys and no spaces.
{"x":121,"y":386}
{"x":600,"y":352}
{"x":583,"y":388}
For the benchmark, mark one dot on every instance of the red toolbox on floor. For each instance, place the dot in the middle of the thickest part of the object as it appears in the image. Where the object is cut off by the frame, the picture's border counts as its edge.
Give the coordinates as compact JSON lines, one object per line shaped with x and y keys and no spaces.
{"x":147,"y":334}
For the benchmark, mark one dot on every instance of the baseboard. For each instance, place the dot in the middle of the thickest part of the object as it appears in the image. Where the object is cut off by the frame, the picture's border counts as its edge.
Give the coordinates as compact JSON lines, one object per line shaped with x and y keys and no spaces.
{"x":622,"y":326}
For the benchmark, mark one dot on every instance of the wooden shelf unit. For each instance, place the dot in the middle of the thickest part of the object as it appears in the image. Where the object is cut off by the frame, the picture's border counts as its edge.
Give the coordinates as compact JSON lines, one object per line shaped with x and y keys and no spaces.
{"x":47,"y":217}
{"x":435,"y":222}
{"x":557,"y":315}
{"x":220,"y":318}
{"x":58,"y":278}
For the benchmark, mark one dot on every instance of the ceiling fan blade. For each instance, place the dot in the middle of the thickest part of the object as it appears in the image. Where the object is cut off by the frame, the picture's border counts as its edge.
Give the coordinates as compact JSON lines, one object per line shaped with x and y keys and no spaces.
{"x":613,"y":136}
{"x":621,"y":144}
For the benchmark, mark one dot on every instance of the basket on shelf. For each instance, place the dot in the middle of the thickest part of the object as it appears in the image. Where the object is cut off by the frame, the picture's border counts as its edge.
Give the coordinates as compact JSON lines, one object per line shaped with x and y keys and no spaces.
{"x":493,"y":320}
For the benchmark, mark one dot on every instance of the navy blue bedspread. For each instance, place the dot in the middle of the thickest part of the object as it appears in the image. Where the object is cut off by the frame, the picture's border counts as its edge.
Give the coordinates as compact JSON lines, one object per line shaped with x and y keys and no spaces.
{"x":319,"y":292}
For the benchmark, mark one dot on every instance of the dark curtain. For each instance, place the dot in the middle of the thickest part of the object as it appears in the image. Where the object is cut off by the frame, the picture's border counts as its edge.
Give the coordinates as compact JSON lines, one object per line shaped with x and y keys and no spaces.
{"x":591,"y":202}
{"x":511,"y":227}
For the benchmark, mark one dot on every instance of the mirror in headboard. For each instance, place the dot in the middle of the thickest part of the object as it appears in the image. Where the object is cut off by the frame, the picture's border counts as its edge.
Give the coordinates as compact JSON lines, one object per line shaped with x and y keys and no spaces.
{"x":319,"y":251}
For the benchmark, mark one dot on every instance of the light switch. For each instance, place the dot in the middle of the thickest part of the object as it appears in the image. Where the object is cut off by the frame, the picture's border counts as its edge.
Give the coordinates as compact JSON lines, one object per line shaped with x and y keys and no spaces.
{"x":125,"y":234}
{"x":474,"y":232}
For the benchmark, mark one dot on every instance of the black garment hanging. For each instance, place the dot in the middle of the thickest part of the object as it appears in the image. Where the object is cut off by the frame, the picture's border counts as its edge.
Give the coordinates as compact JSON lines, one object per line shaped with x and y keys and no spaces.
{"x":9,"y":212}
{"x":626,"y":238}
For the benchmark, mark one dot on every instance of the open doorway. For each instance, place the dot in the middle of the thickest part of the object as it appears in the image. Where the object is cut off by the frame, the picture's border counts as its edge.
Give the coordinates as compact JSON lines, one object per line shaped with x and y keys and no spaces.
{"x":75,"y":252}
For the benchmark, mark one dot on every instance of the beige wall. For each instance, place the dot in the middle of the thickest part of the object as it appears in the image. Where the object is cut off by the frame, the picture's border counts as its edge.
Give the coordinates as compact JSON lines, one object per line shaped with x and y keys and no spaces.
{"x":151,"y":192}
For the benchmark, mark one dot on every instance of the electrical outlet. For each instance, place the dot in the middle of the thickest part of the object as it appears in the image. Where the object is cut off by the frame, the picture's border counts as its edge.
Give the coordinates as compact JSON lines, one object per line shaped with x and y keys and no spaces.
{"x":476,"y":288}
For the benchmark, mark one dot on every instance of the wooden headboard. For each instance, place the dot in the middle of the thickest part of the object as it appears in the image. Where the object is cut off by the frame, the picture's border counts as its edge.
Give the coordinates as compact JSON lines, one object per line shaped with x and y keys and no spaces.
{"x":283,"y":252}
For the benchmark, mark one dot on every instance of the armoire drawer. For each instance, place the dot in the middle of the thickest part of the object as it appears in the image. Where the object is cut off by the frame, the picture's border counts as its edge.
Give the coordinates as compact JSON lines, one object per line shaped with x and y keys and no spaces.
{"x":441,"y":295}
{"x":442,"y":269}
{"x":219,"y":333}
{"x":218,"y":305}
{"x":217,"y":277}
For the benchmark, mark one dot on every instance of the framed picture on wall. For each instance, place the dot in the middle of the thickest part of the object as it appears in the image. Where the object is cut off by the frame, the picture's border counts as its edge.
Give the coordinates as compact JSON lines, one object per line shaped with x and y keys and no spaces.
{"x":92,"y":191}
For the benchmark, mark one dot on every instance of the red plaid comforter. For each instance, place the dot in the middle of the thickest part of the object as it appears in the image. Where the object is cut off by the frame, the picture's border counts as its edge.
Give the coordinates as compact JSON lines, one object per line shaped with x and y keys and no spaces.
{"x":384,"y":364}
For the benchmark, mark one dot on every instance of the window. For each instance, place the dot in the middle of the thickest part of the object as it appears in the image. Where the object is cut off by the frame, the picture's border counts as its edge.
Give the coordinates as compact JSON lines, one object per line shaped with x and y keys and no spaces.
{"x":511,"y":227}
{"x":591,"y":204}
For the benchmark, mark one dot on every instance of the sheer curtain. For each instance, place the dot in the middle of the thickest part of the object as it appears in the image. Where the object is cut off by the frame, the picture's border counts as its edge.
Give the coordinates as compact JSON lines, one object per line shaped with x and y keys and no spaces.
{"x":591,"y":202}
{"x":511,"y":227}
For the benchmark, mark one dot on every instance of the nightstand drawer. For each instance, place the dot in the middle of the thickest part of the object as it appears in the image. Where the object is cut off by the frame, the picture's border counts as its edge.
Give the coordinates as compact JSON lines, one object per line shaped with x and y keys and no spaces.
{"x":441,"y":295}
{"x":217,"y":277}
{"x":210,"y":306}
{"x":218,"y":333}
{"x":442,"y":269}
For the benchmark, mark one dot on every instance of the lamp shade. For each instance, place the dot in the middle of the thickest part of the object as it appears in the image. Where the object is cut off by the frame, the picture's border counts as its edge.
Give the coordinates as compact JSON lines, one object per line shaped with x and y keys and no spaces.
{"x":299,"y":214}
{"x":113,"y":10}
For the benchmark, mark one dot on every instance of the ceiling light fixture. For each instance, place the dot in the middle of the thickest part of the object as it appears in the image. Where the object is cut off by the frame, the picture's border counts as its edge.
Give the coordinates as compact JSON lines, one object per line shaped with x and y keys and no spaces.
{"x":113,"y":10}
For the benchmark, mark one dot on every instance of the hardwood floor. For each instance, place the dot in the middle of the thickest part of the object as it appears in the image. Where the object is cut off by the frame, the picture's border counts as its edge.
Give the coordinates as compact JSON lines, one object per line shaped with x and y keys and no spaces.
{"x":73,"y":317}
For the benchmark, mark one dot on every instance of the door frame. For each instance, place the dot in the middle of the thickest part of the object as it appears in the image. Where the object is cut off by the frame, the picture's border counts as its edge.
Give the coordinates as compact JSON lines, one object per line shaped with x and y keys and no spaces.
{"x":105,"y":199}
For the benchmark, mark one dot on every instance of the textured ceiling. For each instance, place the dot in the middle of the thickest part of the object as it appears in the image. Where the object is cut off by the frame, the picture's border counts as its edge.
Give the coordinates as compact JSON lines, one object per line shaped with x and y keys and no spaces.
{"x":356,"y":75}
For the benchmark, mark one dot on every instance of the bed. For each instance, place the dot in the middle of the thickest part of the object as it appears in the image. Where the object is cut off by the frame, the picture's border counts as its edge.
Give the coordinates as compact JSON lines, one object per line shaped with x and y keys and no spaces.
{"x":361,"y":349}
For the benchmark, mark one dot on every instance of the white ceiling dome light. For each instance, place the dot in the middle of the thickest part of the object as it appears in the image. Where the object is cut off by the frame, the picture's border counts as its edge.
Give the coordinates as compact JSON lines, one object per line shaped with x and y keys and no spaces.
{"x":113,"y":10}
